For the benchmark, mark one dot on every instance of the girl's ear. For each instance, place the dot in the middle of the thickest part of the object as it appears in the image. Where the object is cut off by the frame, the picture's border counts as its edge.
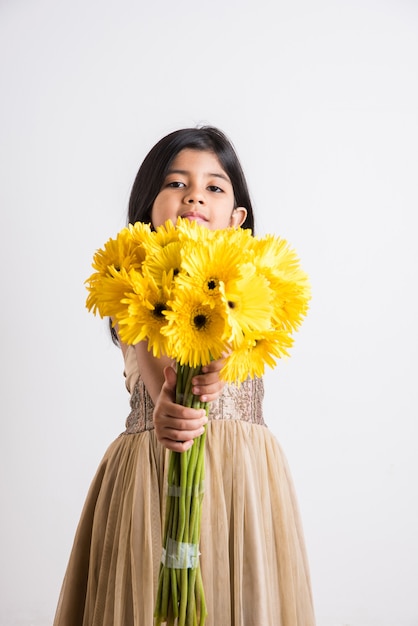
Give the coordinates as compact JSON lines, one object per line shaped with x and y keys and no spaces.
{"x":238,"y":217}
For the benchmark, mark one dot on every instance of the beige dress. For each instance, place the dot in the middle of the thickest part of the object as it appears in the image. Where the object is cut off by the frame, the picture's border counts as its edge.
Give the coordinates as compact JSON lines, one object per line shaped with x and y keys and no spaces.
{"x":253,"y":559}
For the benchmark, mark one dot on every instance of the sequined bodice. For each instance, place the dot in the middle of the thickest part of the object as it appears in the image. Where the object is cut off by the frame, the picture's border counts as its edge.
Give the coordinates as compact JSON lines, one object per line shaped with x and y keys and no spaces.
{"x":244,"y":402}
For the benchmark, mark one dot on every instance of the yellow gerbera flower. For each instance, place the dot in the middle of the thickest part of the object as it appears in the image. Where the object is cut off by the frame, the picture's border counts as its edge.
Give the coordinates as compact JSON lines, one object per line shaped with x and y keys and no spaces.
{"x":272,"y":252}
{"x":274,"y":257}
{"x":161,"y":237}
{"x":241,"y":238}
{"x":275,"y":260}
{"x":141,"y":236}
{"x":290,"y":303}
{"x":106,"y":292}
{"x":144,"y":316}
{"x":209,"y":264}
{"x":160,"y":261}
{"x":250,"y":355}
{"x":249,"y":302}
{"x":197,"y":330}
{"x":112,"y":263}
{"x":189,"y":230}
{"x":117,"y":253}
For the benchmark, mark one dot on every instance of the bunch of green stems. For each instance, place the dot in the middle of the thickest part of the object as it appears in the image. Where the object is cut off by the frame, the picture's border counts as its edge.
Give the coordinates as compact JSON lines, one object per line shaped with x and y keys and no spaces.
{"x":180,"y":594}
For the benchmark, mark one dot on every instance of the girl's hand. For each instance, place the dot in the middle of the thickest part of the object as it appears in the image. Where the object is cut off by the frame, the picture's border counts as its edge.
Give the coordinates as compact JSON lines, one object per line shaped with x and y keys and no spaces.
{"x":175,"y":425}
{"x":208,"y":386}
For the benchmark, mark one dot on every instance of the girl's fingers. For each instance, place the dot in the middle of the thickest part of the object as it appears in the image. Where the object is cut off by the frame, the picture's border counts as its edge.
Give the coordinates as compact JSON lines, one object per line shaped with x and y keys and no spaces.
{"x":176,"y":446}
{"x":176,"y":426}
{"x":179,"y":440}
{"x":208,"y":386}
{"x":170,"y":426}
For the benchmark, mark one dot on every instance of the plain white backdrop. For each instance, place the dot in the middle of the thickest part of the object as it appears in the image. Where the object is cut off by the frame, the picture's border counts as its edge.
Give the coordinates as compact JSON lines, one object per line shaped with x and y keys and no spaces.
{"x":321,"y":101}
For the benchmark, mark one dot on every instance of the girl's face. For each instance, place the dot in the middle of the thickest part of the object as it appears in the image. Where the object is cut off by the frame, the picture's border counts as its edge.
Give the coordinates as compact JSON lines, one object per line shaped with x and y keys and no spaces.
{"x":197,"y":188}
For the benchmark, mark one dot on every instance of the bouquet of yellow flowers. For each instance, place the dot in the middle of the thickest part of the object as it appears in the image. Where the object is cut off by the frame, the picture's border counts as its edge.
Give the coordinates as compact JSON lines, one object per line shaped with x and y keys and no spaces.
{"x":196,"y":295}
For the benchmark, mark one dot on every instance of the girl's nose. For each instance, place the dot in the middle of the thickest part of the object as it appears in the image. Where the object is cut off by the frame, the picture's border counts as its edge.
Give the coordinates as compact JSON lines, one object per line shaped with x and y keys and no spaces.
{"x":194,"y":196}
{"x":193,"y":201}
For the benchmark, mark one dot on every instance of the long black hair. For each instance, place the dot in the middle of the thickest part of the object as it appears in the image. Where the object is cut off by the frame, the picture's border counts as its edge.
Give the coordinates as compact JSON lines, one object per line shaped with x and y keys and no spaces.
{"x":154,"y":168}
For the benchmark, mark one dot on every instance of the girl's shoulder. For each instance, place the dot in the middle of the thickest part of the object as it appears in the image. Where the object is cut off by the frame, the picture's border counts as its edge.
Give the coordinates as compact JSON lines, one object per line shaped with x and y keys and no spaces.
{"x":131,"y":370}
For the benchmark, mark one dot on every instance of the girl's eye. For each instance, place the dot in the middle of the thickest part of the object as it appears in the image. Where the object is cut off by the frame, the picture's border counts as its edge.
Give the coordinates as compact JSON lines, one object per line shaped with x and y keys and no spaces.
{"x":215,"y":188}
{"x":175,"y":184}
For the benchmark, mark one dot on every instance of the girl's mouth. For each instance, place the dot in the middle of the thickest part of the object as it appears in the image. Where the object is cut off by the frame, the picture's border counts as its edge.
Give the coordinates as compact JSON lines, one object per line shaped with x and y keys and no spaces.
{"x":194,"y":216}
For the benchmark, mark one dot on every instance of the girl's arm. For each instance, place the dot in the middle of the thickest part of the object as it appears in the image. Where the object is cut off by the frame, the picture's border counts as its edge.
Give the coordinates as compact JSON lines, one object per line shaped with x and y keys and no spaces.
{"x":151,"y":369}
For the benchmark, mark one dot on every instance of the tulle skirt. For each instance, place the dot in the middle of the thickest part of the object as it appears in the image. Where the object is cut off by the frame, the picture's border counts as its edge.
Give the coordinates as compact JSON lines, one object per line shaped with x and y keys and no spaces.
{"x":253,"y":560}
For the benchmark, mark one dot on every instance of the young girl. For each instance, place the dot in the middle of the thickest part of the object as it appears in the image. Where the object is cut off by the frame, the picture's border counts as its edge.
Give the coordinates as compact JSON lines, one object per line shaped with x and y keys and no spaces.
{"x":253,"y":560}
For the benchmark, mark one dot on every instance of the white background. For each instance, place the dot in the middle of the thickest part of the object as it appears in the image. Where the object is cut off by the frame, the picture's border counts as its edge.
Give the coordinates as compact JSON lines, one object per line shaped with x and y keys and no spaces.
{"x":321,"y":101}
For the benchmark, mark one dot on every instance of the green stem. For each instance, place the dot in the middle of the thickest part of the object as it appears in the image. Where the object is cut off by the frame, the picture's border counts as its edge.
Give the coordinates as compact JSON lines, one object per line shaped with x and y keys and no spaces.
{"x":180,"y":593}
{"x":174,"y":604}
{"x":183,"y":597}
{"x":184,"y":457}
{"x":202,"y":601}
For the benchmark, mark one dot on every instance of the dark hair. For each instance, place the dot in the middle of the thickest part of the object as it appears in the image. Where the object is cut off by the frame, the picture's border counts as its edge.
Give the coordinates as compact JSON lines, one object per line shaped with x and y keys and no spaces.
{"x":154,"y":168}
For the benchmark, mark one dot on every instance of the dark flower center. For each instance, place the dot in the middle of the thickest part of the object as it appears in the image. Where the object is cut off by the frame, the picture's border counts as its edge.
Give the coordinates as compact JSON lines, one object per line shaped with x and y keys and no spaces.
{"x":211,"y":284}
{"x":199,"y":321}
{"x":158,"y":310}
